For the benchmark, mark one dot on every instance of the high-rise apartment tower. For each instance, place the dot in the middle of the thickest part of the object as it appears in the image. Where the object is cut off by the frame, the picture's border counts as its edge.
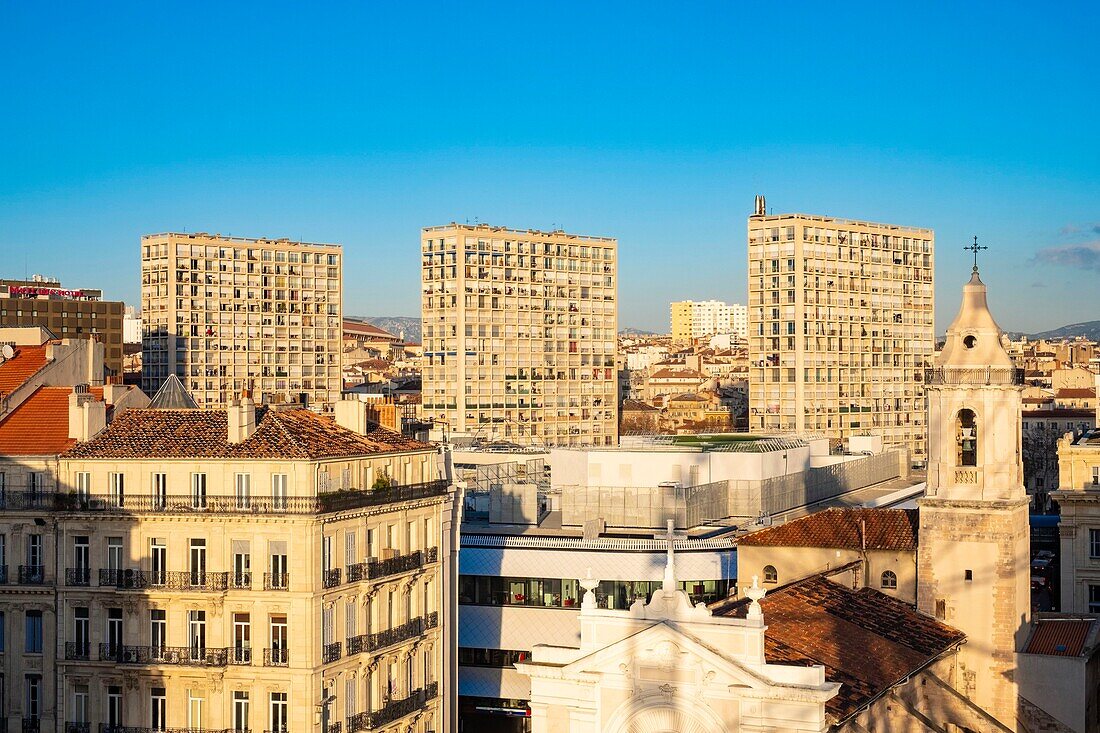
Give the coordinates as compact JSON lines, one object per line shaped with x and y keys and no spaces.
{"x":226,"y":314}
{"x":520,"y":334}
{"x":840,"y":327}
{"x":693,"y":319}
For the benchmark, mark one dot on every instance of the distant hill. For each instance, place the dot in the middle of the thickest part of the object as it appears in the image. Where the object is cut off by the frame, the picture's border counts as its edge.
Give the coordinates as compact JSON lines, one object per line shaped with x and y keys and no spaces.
{"x":397,"y":325}
{"x":1088,"y":329}
{"x":636,"y":332}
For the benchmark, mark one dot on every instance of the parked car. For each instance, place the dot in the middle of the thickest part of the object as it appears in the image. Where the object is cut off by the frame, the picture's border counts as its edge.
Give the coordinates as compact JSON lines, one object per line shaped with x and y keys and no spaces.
{"x":1038,"y":582}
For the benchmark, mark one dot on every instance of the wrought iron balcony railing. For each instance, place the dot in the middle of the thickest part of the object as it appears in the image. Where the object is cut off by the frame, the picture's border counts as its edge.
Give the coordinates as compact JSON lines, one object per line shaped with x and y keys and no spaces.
{"x":276,"y":657}
{"x":397,"y":709}
{"x":373,"y":642}
{"x":276,"y":581}
{"x":180,"y":655}
{"x":177,"y":504}
{"x":77,"y":650}
{"x":240,"y":580}
{"x":32,"y":574}
{"x":240,"y":655}
{"x":330,"y":652}
{"x":31,"y":725}
{"x":357,"y":722}
{"x":395,"y":565}
{"x":330,"y":578}
{"x":78,"y":576}
{"x":3,"y":573}
{"x":432,"y":620}
{"x":71,"y":727}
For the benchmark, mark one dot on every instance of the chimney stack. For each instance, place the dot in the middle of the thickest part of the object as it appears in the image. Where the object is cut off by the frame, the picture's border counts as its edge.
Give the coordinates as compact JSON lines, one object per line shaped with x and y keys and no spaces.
{"x":241,"y":418}
{"x":87,"y":415}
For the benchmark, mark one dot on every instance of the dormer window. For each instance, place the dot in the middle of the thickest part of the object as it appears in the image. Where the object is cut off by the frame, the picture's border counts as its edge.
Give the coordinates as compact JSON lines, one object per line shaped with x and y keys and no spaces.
{"x":966,"y":437}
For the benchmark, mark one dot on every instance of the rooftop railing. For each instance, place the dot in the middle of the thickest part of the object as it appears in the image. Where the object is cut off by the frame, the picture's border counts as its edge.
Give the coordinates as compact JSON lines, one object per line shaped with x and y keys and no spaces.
{"x":983,"y":376}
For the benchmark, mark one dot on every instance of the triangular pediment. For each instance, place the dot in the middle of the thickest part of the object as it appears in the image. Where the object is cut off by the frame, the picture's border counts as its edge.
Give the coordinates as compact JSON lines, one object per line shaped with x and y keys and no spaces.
{"x":667,"y":647}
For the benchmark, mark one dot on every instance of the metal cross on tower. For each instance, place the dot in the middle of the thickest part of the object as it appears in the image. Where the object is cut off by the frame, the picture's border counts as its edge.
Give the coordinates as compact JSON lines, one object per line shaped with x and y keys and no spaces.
{"x":975,"y":248}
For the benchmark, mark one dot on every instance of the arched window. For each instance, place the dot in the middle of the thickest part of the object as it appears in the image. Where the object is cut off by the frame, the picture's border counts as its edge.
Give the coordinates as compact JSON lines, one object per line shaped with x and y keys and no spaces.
{"x":966,"y":436}
{"x":889,"y":580}
{"x":771,"y":575}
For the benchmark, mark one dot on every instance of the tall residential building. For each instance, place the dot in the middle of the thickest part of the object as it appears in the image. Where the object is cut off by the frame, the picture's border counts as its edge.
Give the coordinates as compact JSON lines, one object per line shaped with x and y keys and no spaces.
{"x":840,"y":327}
{"x":224,"y":313}
{"x":68,"y":313}
{"x":250,"y":568}
{"x":697,"y":319}
{"x":519,"y":334}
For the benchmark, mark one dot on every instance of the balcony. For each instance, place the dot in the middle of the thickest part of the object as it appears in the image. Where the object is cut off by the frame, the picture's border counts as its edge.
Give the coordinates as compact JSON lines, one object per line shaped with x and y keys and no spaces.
{"x":239,"y":655}
{"x":195,"y":580}
{"x":179,"y":655}
{"x":359,"y":721}
{"x":78,"y":576}
{"x":990,"y":375}
{"x":77,"y":650}
{"x":3,"y":573}
{"x":240,"y":581}
{"x":330,"y":652}
{"x":32,"y":574}
{"x":400,"y":708}
{"x":78,"y":727}
{"x":401,"y":563}
{"x":330,"y":578}
{"x":276,"y":581}
{"x":181,"y":504}
{"x":31,"y":725}
{"x":276,"y":657}
{"x":390,"y":637}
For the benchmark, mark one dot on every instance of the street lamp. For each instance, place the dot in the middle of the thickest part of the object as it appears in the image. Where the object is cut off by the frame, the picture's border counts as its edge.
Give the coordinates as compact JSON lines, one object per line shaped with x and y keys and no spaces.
{"x":320,"y":713}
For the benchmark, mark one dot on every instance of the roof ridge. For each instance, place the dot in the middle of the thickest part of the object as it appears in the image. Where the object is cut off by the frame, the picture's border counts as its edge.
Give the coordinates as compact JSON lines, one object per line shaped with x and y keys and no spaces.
{"x":274,"y":414}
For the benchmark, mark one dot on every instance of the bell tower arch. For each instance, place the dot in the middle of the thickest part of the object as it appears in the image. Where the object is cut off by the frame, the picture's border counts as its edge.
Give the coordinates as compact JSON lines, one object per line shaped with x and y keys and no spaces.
{"x":974,"y":537}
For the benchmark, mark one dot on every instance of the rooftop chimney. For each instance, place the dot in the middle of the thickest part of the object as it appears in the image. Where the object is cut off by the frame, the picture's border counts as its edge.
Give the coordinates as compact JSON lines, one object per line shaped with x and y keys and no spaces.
{"x":87,"y":415}
{"x":352,"y":414}
{"x":241,"y":418}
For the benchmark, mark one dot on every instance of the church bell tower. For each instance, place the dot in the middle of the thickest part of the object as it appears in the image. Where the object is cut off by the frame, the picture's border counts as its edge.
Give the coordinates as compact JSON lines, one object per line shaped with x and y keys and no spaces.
{"x":973,"y":554}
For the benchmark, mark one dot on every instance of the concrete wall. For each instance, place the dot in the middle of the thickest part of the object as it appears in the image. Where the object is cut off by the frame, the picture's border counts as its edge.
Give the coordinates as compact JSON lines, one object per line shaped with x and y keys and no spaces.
{"x":1057,"y":686}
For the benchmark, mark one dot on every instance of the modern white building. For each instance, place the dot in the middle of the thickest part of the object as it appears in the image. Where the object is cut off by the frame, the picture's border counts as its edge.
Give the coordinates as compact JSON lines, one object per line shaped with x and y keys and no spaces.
{"x":696,"y":319}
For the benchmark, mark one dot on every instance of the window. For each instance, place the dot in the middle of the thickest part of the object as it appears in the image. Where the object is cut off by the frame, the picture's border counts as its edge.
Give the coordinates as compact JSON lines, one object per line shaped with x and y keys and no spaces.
{"x":198,"y":562}
{"x":116,"y":484}
{"x":34,"y":552}
{"x":81,"y":634}
{"x":968,"y":575}
{"x":3,"y":633}
{"x":240,"y":710}
{"x":966,"y":436}
{"x":771,"y":575}
{"x":198,"y":491}
{"x":1094,"y":599}
{"x":244,"y":495}
{"x":278,"y":491}
{"x":114,"y":553}
{"x":279,"y":712}
{"x":196,"y":634}
{"x":1096,"y":475}
{"x":158,"y":718}
{"x":32,"y":643}
{"x":889,"y":580}
{"x":158,"y":630}
{"x":32,"y":696}
{"x":114,"y":706}
{"x":242,"y":564}
{"x":242,"y":638}
{"x":114,"y":628}
{"x":160,"y":490}
{"x":194,"y":710}
{"x":80,"y":704}
{"x":83,"y":487}
{"x":158,"y":561}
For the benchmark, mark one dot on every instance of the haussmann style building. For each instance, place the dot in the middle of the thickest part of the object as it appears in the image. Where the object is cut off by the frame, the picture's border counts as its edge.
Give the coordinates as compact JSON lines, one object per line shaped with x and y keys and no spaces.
{"x":226,"y":314}
{"x":519,"y":332}
{"x":840,"y":327}
{"x":246,"y":569}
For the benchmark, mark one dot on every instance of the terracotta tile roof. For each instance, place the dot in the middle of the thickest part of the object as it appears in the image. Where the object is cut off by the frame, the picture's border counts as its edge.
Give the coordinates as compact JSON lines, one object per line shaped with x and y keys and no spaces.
{"x":638,"y":406}
{"x":363,"y":328}
{"x":866,"y":640}
{"x":1060,"y":637}
{"x":1062,"y":412}
{"x":1076,"y":393}
{"x":285,"y":434}
{"x":844,"y":528}
{"x":682,"y":373}
{"x":39,"y":426}
{"x":19,"y":368}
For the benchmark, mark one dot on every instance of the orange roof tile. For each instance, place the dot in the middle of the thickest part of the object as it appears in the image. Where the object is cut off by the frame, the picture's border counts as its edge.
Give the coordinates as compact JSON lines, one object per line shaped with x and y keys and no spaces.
{"x":1060,"y":637}
{"x":39,"y":426}
{"x":287,"y":434}
{"x":847,"y":528}
{"x":866,"y":640}
{"x":19,"y":368}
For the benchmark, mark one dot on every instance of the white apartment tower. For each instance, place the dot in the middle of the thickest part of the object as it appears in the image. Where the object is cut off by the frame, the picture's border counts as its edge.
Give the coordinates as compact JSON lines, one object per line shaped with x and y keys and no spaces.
{"x":519,"y":331}
{"x":840,"y":327}
{"x":692,"y":319}
{"x":226,"y":314}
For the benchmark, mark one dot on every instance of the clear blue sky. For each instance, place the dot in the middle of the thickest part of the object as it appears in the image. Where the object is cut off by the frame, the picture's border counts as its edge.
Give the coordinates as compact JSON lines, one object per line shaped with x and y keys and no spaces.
{"x":654,"y":123}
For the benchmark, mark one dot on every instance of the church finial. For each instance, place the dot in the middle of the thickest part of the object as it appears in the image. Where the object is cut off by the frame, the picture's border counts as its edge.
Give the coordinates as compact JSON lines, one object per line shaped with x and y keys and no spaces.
{"x":669,"y":583}
{"x":975,"y":249}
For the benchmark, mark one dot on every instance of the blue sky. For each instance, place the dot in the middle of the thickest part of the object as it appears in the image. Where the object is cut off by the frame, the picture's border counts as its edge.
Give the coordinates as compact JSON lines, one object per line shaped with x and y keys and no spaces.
{"x":655,"y":123}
